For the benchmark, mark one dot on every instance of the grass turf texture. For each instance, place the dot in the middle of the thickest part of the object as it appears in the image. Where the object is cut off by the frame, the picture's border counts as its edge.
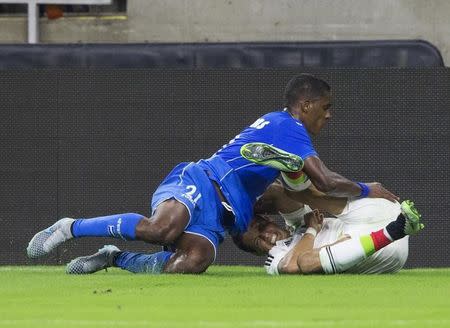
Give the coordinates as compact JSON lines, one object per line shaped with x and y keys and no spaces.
{"x":224,"y":296}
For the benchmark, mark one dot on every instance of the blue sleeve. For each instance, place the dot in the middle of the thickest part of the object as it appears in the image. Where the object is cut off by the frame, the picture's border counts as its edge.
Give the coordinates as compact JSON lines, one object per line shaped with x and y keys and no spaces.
{"x":293,"y":137}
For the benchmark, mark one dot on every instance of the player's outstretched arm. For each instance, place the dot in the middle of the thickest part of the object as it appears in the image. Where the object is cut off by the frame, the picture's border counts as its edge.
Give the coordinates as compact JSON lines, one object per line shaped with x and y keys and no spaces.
{"x":334,"y":184}
{"x":315,"y":199}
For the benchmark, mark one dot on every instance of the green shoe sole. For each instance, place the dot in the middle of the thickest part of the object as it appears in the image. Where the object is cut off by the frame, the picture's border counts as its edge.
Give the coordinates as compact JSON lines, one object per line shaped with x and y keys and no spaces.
{"x":265,"y":154}
{"x":410,"y":210}
{"x":412,"y":216}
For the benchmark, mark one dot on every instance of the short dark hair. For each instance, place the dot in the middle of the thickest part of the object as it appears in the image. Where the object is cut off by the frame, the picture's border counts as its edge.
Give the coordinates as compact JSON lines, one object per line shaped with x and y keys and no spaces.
{"x":304,"y":86}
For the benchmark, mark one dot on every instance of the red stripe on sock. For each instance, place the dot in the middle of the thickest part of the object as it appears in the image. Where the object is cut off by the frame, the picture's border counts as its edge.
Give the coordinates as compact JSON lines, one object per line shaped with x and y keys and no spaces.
{"x":379,"y":239}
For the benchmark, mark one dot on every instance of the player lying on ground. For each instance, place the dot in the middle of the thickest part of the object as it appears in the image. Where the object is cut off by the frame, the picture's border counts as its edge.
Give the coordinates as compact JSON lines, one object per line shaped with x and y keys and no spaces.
{"x":367,"y":235}
{"x":354,"y":242}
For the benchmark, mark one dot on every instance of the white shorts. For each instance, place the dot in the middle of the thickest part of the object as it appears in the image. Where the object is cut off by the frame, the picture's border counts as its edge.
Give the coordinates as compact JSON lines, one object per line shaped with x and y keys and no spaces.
{"x":361,"y":217}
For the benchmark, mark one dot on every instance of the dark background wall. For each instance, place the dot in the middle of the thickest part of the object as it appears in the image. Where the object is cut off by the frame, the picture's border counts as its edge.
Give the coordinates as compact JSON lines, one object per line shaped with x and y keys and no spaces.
{"x":83,"y":143}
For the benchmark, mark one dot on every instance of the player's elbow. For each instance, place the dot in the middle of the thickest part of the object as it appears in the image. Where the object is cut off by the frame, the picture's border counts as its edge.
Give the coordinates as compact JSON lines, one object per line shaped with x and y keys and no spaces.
{"x":306,"y":263}
{"x":288,"y":267}
{"x":325,"y":184}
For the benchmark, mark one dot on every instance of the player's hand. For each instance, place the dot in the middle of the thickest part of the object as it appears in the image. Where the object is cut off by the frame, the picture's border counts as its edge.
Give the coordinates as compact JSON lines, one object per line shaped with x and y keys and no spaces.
{"x":376,"y":190}
{"x":314,"y":220}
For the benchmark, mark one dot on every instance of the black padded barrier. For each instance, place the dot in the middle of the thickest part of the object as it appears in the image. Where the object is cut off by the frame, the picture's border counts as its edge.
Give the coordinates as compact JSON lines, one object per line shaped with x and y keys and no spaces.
{"x":383,"y":53}
{"x":83,"y":143}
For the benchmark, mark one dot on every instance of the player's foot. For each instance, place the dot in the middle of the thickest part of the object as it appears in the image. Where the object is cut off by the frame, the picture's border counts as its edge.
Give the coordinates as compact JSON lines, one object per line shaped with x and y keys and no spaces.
{"x":412,"y":218}
{"x":46,"y":240}
{"x":92,"y":263}
{"x":265,"y":154}
{"x":407,"y":223}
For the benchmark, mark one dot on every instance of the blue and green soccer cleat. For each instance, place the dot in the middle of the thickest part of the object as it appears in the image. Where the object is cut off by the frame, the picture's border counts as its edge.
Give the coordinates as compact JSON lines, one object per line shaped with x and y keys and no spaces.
{"x":268,"y":155}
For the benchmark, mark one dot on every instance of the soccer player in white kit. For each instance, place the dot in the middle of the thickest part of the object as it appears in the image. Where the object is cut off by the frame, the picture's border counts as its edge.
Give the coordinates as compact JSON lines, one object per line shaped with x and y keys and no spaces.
{"x":366,"y":236}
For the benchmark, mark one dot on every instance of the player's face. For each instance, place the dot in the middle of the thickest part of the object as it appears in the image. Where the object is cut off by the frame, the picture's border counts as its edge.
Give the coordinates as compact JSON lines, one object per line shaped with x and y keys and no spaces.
{"x":319,"y":114}
{"x":271,"y":233}
{"x":267,"y":230}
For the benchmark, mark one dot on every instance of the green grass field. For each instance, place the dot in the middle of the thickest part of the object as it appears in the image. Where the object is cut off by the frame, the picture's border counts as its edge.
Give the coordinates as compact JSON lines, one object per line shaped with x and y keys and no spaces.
{"x":222,"y":297}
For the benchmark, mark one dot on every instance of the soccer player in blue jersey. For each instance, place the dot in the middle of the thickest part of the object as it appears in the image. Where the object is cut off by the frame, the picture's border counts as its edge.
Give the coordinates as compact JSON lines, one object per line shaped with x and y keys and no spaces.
{"x":199,"y":201}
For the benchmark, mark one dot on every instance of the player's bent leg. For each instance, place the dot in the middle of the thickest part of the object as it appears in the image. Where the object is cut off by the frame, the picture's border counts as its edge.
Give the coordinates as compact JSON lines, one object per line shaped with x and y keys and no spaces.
{"x":390,"y":259}
{"x":194,"y":254}
{"x":111,"y":256}
{"x":117,"y":226}
{"x":168,"y":222}
{"x":369,"y":211}
{"x":342,"y":256}
{"x":142,"y":263}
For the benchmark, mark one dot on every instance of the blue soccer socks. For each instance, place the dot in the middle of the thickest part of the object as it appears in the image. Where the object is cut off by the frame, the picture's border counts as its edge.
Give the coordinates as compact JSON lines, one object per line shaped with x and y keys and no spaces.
{"x":117,"y":226}
{"x":142,"y":263}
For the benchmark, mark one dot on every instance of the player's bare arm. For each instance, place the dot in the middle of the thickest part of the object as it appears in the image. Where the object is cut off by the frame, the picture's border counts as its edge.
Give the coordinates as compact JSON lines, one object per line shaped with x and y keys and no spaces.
{"x":312,"y":172}
{"x":302,"y":258}
{"x":334,"y":184}
{"x":287,"y":201}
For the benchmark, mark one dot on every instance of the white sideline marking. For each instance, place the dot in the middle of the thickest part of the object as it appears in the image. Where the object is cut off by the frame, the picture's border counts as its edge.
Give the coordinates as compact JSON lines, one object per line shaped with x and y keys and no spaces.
{"x":249,"y":323}
{"x":31,"y":268}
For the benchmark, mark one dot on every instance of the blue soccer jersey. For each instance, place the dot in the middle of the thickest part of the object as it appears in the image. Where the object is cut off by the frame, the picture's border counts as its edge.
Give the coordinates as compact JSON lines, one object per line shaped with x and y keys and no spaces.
{"x":242,"y":181}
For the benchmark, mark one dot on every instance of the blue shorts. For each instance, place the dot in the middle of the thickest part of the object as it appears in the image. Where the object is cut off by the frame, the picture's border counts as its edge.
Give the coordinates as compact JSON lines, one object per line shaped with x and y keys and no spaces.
{"x":189,"y":184}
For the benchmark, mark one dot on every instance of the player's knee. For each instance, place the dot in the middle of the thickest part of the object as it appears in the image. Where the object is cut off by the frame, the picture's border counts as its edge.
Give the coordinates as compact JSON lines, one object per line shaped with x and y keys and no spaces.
{"x":190,"y":263}
{"x":288,"y":267}
{"x":156,"y":231}
{"x":198,"y":263}
{"x":167,"y":235}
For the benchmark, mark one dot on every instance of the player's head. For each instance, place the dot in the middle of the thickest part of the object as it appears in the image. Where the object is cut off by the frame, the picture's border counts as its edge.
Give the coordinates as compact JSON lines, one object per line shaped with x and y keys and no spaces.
{"x":268,"y":231}
{"x":309,"y":99}
{"x":261,"y":236}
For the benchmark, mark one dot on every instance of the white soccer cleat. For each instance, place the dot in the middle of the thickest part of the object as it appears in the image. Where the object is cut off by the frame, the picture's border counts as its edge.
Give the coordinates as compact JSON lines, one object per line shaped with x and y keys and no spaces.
{"x":92,"y":263}
{"x":46,"y":240}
